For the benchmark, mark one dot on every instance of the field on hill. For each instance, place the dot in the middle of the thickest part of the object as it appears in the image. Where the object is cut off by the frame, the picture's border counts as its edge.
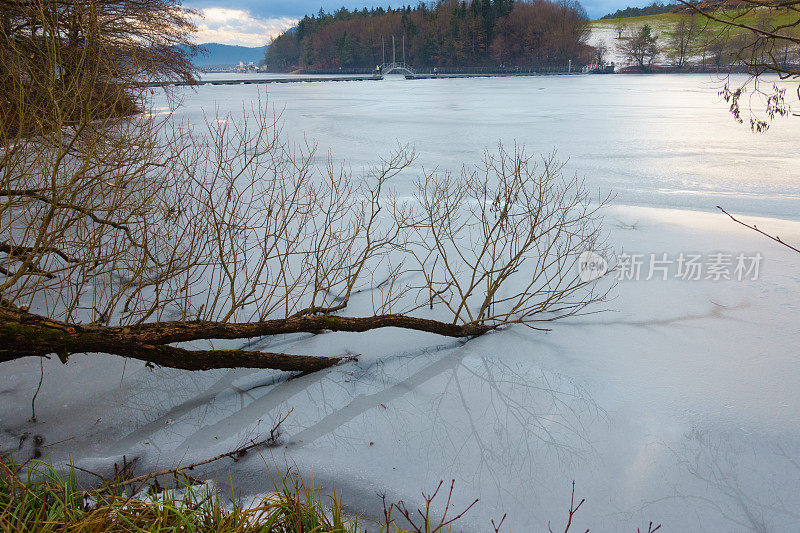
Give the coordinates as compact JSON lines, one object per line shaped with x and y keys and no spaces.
{"x":666,"y":21}
{"x":607,"y":31}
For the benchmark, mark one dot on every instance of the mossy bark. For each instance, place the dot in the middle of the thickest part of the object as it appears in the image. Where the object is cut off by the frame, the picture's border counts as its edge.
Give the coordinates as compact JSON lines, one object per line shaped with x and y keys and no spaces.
{"x":24,"y":334}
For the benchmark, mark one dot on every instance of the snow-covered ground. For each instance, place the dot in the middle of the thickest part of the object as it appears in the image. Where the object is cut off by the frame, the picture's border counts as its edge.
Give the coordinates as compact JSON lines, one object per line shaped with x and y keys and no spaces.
{"x":679,"y":404}
{"x":604,"y":34}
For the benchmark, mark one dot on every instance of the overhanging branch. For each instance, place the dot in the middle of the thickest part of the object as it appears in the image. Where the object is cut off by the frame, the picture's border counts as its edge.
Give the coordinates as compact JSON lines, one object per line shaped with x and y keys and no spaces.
{"x":24,"y":334}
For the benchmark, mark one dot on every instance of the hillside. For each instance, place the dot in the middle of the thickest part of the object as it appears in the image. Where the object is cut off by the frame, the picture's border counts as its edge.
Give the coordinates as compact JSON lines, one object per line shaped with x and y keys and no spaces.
{"x":668,"y":20}
{"x":226,"y":54}
{"x":708,"y":43}
{"x":445,"y":34}
{"x":653,"y":9}
{"x":660,"y":22}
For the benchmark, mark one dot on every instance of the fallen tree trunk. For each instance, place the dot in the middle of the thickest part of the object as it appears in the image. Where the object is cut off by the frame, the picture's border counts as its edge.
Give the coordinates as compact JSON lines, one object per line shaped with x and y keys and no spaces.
{"x":24,"y":334}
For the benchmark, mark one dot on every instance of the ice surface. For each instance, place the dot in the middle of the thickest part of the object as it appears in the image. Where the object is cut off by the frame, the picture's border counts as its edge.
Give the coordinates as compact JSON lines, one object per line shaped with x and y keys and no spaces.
{"x":659,"y":140}
{"x":679,"y":405}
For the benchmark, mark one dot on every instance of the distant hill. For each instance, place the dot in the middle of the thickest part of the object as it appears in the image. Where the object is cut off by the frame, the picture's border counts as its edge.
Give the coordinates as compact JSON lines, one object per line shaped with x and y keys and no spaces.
{"x":656,"y":8}
{"x":452,"y":34}
{"x":226,"y":54}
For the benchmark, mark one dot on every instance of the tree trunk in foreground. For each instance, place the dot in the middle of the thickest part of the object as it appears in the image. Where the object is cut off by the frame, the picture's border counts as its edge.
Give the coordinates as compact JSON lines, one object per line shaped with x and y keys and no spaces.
{"x":24,"y":334}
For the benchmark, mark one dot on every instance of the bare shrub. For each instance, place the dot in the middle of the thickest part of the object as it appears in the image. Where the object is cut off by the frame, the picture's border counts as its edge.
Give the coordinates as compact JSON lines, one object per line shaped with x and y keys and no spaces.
{"x":500,"y":245}
{"x":153,"y":233}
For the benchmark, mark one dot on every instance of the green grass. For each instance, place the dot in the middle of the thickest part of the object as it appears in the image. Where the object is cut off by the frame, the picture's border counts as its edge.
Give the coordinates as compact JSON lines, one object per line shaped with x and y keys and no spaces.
{"x":35,"y":497}
{"x":662,"y":19}
{"x":706,"y":31}
{"x":667,"y":20}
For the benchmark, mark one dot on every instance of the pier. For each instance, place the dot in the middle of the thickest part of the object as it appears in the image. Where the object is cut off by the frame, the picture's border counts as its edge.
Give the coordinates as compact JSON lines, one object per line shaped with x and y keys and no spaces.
{"x":407,"y":73}
{"x":262,"y":81}
{"x":435,"y":75}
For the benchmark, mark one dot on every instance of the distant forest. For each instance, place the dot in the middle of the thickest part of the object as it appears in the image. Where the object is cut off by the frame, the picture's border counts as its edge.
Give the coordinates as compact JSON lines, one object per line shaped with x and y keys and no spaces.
{"x":447,"y":33}
{"x":656,"y":8}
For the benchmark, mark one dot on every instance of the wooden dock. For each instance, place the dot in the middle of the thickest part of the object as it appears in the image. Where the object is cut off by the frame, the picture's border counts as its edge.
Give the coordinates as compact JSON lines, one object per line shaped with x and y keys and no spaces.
{"x":431,"y":76}
{"x":358,"y":77}
{"x":262,"y":81}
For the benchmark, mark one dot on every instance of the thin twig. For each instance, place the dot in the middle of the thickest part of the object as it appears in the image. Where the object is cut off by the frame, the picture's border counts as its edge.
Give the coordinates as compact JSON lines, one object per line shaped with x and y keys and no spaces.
{"x":38,"y":388}
{"x":753,"y":227}
{"x":572,"y":510}
{"x":235,"y":455}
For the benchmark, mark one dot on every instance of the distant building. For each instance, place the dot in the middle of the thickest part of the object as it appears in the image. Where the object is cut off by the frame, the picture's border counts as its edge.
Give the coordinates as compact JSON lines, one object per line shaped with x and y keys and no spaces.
{"x":243,"y":69}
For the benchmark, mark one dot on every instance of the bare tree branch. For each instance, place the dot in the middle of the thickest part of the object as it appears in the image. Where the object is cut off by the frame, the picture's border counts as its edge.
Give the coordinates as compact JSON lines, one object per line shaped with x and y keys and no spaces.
{"x":753,"y":227}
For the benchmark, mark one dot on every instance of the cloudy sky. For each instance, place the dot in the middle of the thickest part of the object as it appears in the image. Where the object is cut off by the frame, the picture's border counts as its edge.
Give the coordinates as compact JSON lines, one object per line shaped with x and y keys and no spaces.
{"x":254,"y":22}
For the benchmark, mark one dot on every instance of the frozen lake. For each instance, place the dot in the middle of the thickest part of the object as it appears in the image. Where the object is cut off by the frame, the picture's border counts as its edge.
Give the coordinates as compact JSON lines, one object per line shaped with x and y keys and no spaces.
{"x":679,"y":405}
{"x":660,"y":140}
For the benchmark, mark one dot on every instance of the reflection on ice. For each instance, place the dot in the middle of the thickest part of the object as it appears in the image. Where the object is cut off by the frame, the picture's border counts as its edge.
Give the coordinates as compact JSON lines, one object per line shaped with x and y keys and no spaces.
{"x":440,"y":413}
{"x":732,"y":483}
